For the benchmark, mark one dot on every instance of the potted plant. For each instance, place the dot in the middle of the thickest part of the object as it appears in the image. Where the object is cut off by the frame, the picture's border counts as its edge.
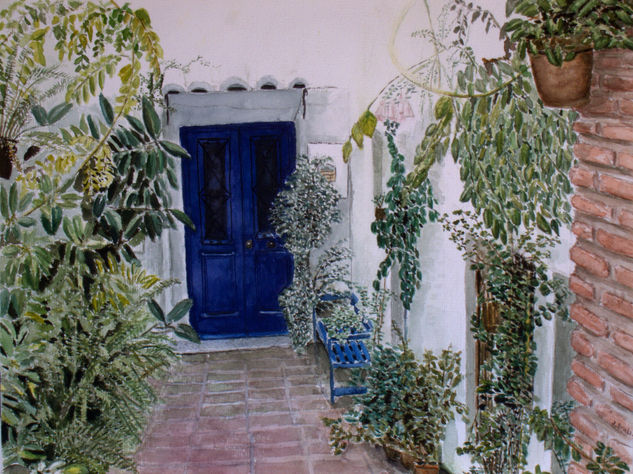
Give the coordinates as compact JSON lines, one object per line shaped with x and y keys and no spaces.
{"x":406,"y":408}
{"x":560,"y":36}
{"x":303,"y":214}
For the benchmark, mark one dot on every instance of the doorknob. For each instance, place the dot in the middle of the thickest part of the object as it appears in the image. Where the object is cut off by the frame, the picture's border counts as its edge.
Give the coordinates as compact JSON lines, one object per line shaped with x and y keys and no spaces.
{"x":249,"y":244}
{"x":270,"y":244}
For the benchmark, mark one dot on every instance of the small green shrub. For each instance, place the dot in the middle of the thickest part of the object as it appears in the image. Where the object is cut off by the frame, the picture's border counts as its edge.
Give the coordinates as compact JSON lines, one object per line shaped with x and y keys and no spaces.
{"x":407,"y":405}
{"x":303,"y":214}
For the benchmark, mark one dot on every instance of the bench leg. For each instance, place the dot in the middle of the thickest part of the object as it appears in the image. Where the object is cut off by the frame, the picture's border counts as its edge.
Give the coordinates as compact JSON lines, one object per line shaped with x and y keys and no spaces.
{"x":331,"y":384}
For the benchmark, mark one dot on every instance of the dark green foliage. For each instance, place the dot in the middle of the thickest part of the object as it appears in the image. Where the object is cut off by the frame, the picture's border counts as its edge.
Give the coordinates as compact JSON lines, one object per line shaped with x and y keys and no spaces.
{"x":405,"y":213}
{"x":407,"y":406}
{"x":561,"y":28}
{"x":82,"y":339}
{"x":515,"y":276}
{"x":303,"y":214}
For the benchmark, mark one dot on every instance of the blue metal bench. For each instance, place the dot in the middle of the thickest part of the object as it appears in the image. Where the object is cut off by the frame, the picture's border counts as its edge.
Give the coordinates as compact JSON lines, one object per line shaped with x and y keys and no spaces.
{"x":344,"y":353}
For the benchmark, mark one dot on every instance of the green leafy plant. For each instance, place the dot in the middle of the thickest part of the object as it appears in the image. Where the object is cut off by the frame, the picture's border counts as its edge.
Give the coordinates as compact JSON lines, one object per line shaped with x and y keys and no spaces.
{"x":82,"y":338}
{"x":560,"y":29}
{"x":407,"y":405}
{"x":405,"y":212}
{"x":515,"y":277}
{"x":303,"y":214}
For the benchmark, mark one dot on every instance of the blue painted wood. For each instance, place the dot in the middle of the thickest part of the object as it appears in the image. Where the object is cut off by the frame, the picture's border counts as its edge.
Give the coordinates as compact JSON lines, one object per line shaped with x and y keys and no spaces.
{"x":343,"y":353}
{"x":236,"y":265}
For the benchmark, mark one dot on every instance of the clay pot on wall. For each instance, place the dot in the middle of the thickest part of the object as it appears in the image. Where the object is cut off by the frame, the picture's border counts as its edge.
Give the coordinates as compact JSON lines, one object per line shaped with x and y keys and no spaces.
{"x":426,"y":469}
{"x":565,"y":86}
{"x":8,"y":150}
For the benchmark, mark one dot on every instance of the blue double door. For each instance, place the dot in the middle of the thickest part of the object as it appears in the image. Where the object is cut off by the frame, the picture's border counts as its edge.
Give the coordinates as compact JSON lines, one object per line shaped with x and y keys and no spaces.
{"x":236,"y":265}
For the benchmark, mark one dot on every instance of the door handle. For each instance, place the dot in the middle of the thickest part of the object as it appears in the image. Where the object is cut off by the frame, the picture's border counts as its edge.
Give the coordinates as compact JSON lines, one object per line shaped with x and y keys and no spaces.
{"x":249,"y":244}
{"x":271,"y":244}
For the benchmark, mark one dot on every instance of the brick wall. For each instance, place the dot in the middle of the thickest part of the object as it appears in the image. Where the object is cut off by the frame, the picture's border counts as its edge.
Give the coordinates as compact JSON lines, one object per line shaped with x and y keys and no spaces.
{"x":602,"y":371}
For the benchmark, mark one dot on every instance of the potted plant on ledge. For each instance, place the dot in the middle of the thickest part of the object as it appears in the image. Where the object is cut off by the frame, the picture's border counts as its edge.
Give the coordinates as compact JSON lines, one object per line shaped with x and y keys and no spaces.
{"x":560,"y":36}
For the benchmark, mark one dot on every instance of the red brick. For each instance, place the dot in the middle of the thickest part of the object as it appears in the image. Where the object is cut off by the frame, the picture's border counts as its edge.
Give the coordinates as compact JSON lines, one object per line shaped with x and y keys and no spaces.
{"x":590,"y":321}
{"x":594,"y":154}
{"x":617,"y":368}
{"x":617,"y":304}
{"x":616,"y":186}
{"x":624,"y":340}
{"x":617,"y":83}
{"x":582,"y":177}
{"x":581,"y":344}
{"x":582,"y":230}
{"x":625,"y":218}
{"x":626,"y":106}
{"x":577,"y":391}
{"x":603,"y":62}
{"x":624,"y":452}
{"x":582,"y":126}
{"x":615,"y":243}
{"x":581,"y":421}
{"x":625,"y":400}
{"x":617,"y":132}
{"x":624,"y":160}
{"x":599,"y":105}
{"x":284,"y":450}
{"x":615,"y":418}
{"x":589,"y":261}
{"x":624,"y":276}
{"x":589,"y":206}
{"x":588,"y":375}
{"x":581,"y":287}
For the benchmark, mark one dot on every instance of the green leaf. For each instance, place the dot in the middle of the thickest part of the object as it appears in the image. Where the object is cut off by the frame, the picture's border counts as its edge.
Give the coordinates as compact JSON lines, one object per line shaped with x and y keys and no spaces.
{"x":179,"y":310}
{"x":182,"y":217}
{"x":40,"y":115}
{"x":174,"y":150}
{"x":106,"y":109}
{"x":156,"y":310}
{"x":13,"y":199}
{"x":357,"y":135}
{"x":142,"y":15}
{"x":4,"y":202}
{"x":443,"y":108}
{"x":347,"y":151}
{"x":58,"y":112}
{"x":98,"y":205}
{"x":187,"y":332}
{"x":26,"y":221}
{"x":542,"y":223}
{"x":151,"y":119}
{"x":94,"y":130}
{"x":368,"y":123}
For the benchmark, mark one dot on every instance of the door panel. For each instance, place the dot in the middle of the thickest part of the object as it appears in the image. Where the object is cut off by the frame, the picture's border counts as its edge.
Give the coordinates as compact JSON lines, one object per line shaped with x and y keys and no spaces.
{"x":236,"y":266}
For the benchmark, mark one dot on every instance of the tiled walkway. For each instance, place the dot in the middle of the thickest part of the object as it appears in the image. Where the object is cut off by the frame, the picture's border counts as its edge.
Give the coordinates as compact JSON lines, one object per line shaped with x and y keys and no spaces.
{"x":248,"y":411}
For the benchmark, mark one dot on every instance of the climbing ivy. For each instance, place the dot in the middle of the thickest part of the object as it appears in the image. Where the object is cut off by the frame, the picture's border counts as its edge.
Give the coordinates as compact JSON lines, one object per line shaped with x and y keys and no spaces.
{"x":405,"y":213}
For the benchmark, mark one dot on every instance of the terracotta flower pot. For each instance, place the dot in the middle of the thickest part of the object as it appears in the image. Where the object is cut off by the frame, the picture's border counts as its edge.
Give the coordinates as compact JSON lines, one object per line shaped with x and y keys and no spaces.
{"x":565,"y":86}
{"x":391,"y":453}
{"x":407,"y":461}
{"x":426,"y":469}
